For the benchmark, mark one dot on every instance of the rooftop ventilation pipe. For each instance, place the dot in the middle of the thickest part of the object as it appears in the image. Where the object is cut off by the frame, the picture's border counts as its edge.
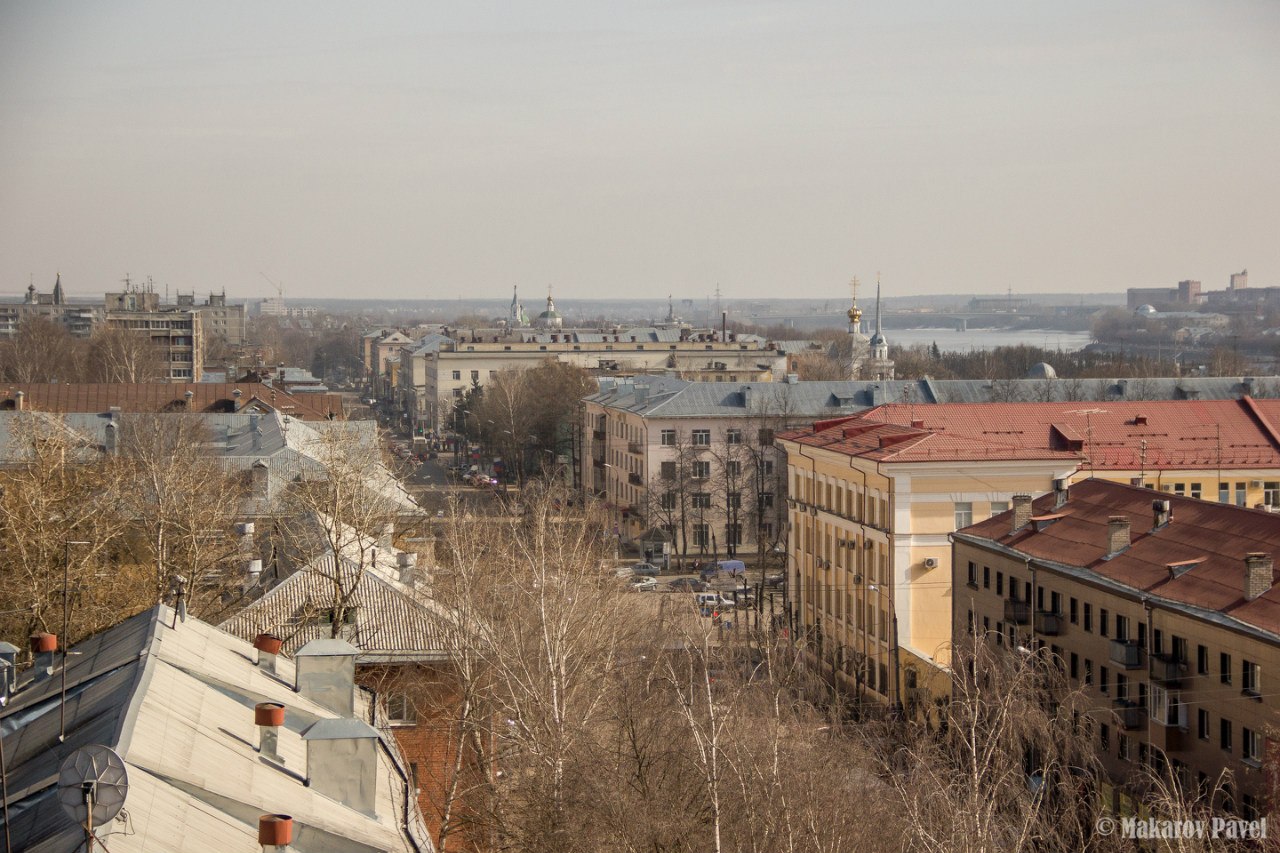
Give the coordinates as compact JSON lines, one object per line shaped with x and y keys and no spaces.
{"x":268,"y":646}
{"x":275,"y":832}
{"x":259,"y":476}
{"x":111,"y":437}
{"x":19,"y":400}
{"x":252,"y":573}
{"x":342,"y":762}
{"x":1161,"y":513}
{"x":187,"y":398}
{"x":8,"y":670}
{"x":406,"y":563}
{"x":269,"y":717}
{"x":326,"y":674}
{"x":43,"y":648}
{"x":1060,"y":493}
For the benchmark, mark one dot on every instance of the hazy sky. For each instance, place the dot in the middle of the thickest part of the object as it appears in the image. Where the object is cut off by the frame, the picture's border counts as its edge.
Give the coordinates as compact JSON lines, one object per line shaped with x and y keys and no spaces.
{"x":430,"y":150}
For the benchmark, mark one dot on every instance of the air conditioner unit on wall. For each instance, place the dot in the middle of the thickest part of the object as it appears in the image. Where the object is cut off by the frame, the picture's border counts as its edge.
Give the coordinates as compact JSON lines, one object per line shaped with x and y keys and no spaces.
{"x":931,"y":562}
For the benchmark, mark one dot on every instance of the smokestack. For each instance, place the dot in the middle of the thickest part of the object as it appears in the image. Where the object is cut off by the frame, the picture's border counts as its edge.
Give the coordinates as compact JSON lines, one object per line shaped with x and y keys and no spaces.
{"x":275,"y":832}
{"x":268,"y":646}
{"x":1117,"y":534}
{"x":1021,"y":513}
{"x":724,"y":325}
{"x":1060,"y":493}
{"x":326,"y":674}
{"x":1257,"y":575}
{"x":342,"y":762}
{"x":43,"y":648}
{"x":269,"y":717}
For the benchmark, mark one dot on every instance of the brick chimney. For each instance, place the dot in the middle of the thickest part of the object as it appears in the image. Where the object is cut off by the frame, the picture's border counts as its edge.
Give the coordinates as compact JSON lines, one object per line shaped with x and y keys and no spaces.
{"x":1257,"y":574}
{"x":1021,"y":513}
{"x":1117,"y":534}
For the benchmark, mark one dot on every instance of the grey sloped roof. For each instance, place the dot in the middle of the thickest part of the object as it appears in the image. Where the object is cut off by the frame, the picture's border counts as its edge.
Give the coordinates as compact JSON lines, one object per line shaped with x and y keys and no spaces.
{"x":431,"y":343}
{"x":174,"y":699}
{"x":667,"y":396}
{"x":393,"y":621}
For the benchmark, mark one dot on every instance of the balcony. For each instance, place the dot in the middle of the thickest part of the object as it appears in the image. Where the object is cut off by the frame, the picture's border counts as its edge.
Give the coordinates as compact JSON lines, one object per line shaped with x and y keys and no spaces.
{"x":1131,"y":715}
{"x":635,"y":479}
{"x":635,"y":447}
{"x":1127,"y":653}
{"x":1017,"y":612}
{"x":1048,"y":623}
{"x":1167,"y":670}
{"x":1169,"y":738}
{"x":597,"y":434}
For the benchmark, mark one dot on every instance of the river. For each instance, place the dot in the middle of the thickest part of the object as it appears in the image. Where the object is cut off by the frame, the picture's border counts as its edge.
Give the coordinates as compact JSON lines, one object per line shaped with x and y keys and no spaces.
{"x":949,"y":340}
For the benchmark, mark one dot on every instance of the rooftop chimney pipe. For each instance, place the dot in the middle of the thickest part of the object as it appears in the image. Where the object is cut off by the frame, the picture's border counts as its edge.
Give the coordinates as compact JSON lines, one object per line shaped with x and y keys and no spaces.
{"x":275,"y":832}
{"x":1060,"y":493}
{"x":1257,"y":575}
{"x":1161,"y":513}
{"x":269,"y":717}
{"x":1021,"y":513}
{"x":342,"y":762}
{"x":326,"y":674}
{"x":268,"y":646}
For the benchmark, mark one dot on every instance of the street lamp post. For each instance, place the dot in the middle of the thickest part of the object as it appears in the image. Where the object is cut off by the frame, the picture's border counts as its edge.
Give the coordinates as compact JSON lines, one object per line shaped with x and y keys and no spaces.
{"x":66,"y":619}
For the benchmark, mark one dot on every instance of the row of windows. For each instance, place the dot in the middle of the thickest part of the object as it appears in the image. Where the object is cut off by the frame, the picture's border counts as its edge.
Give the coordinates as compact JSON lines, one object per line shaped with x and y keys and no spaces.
{"x":1121,"y":628}
{"x":851,"y":501}
{"x":702,"y":437}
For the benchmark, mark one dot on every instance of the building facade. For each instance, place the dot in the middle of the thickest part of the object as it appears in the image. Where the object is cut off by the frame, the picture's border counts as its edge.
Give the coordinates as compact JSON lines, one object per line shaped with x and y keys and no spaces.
{"x":1161,"y":612}
{"x":903,"y":477}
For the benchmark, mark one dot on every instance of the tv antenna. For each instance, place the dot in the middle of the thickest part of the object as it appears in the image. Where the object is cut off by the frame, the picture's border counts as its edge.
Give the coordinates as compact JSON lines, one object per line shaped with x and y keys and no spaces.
{"x":92,"y":785}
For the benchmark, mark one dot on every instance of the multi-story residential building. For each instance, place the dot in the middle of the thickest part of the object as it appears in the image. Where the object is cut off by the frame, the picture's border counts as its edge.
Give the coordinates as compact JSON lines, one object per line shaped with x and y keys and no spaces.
{"x":438,"y":369}
{"x":1161,"y":609}
{"x":218,"y":319}
{"x":208,"y":397}
{"x":903,"y":477}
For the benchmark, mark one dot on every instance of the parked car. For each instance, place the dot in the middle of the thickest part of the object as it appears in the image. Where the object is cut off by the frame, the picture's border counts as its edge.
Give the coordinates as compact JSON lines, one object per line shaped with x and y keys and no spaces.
{"x":710,"y":603}
{"x":687,"y":585}
{"x":775,"y":580}
{"x":733,"y":568}
{"x":649,"y":570}
{"x":624,"y":572}
{"x":643,"y":584}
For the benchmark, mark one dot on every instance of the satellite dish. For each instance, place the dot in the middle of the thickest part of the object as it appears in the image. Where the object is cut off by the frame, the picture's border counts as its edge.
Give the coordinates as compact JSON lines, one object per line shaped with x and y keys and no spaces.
{"x":92,"y":777}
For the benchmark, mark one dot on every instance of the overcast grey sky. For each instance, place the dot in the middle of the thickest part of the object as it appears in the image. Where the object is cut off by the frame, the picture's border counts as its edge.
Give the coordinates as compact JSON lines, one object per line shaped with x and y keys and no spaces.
{"x":430,"y":150}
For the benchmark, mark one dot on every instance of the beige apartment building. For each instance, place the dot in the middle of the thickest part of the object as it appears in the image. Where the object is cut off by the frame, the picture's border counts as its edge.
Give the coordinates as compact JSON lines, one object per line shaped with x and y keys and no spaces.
{"x":436,"y":371}
{"x":874,"y":498}
{"x":1161,"y":609}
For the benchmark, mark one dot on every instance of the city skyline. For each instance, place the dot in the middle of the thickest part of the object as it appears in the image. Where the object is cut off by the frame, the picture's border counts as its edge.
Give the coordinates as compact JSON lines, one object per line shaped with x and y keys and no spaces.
{"x":767,"y":149}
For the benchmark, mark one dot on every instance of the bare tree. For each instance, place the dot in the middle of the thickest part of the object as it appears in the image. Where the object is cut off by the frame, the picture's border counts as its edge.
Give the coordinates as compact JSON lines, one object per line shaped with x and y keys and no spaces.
{"x":180,"y":505}
{"x":51,"y":498}
{"x":342,"y":500}
{"x":123,"y":355}
{"x":42,"y":351}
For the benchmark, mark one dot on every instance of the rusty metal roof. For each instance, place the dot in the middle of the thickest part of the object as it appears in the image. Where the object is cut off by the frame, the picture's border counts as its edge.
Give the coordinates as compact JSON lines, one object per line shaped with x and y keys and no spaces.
{"x":1196,"y":559}
{"x":1119,"y":435}
{"x":97,"y":397}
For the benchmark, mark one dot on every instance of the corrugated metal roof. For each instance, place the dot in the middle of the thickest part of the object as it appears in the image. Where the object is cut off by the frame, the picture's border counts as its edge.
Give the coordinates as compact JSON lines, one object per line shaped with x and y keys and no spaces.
{"x":393,"y":622}
{"x":673,"y":397}
{"x":1214,"y":537}
{"x":175,"y":700}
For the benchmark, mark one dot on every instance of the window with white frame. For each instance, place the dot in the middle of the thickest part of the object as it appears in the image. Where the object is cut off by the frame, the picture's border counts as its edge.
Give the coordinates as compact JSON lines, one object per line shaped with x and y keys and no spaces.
{"x":400,"y":709}
{"x":733,"y":468}
{"x":1167,"y":708}
{"x":702,"y":437}
{"x":701,"y":500}
{"x":733,"y":436}
{"x":1271,"y":493}
{"x":668,"y":438}
{"x":998,"y":507}
{"x":667,"y":500}
{"x":964,"y":514}
{"x":701,"y":536}
{"x":701,"y":469}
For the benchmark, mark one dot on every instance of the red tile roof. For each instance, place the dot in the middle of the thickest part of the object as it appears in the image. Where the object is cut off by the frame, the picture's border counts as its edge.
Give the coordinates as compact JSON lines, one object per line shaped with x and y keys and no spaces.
{"x":889,"y":442}
{"x":168,"y":397}
{"x":1205,"y":543}
{"x":1114,"y":435}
